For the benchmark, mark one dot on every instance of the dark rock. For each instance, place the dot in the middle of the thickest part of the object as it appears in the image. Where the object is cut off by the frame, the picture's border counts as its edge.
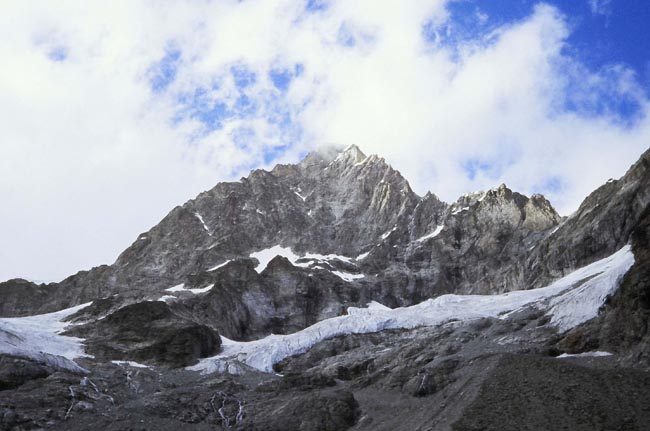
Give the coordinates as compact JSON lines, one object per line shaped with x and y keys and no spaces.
{"x":430,"y":380}
{"x":324,"y":411}
{"x":16,"y":371}
{"x":149,"y":332}
{"x":528,"y":393}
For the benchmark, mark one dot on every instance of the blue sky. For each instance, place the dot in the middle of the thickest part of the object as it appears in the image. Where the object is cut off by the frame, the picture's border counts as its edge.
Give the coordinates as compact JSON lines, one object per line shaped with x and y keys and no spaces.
{"x":603,"y":32}
{"x":137,"y":107}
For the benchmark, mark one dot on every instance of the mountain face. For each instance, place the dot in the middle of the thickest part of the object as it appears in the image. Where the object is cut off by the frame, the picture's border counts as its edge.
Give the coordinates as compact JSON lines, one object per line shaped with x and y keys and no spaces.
{"x":301,"y":250}
{"x":332,"y":203}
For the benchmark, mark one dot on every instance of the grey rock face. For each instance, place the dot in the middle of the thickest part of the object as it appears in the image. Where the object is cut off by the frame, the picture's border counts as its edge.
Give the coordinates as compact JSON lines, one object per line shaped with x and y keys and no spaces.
{"x":15,"y":371}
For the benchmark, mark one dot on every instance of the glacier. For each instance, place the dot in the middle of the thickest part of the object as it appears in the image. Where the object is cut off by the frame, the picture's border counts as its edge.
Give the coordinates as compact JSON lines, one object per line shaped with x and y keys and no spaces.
{"x":39,"y":338}
{"x":569,"y":301}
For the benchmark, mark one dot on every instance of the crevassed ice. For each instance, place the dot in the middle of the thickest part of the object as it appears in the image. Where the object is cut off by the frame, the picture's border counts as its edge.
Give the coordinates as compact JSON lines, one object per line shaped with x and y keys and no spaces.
{"x":569,"y":301}
{"x":38,"y":338}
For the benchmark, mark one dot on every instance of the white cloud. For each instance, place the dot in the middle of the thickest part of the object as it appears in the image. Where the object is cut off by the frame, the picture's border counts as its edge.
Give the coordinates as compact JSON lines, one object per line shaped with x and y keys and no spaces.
{"x":90,"y":156}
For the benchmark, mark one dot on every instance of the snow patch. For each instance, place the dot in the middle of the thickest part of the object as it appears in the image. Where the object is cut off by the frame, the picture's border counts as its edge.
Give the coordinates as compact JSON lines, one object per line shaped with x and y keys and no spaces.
{"x":588,"y":286}
{"x":182,"y":288}
{"x":347,"y":276}
{"x":131,"y":364}
{"x":266,"y":255}
{"x":177,"y":288}
{"x":459,"y":210}
{"x":201,"y":289}
{"x":584,"y":355}
{"x":326,"y":257}
{"x":363,"y":256}
{"x":387,"y":234}
{"x":432,"y":234}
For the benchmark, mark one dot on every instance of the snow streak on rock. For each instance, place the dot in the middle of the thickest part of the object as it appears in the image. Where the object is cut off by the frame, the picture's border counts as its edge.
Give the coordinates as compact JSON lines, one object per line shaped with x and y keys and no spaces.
{"x":596,"y":354}
{"x":131,"y":364}
{"x":182,"y":288}
{"x":432,"y":234}
{"x":214,"y":268}
{"x":205,"y":226}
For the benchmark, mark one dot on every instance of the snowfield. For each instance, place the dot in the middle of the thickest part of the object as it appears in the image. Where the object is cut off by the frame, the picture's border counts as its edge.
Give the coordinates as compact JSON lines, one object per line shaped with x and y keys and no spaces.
{"x":569,"y":301}
{"x":38,"y":338}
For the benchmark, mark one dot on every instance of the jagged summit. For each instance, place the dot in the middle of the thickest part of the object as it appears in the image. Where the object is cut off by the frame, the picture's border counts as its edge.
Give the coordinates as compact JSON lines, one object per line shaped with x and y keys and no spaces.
{"x":328,"y":154}
{"x":351,"y":154}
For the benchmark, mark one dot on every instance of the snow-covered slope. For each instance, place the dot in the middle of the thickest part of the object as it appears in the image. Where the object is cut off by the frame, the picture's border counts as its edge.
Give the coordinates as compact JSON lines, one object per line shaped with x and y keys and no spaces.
{"x":569,"y":301}
{"x":38,"y":337}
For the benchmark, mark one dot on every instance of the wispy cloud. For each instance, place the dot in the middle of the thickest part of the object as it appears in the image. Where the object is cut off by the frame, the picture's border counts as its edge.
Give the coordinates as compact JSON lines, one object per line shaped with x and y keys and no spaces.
{"x":600,"y":7}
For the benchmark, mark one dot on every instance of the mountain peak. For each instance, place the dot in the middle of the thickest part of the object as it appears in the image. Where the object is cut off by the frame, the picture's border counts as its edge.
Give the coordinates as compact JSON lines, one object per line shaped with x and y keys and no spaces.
{"x":351,"y":154}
